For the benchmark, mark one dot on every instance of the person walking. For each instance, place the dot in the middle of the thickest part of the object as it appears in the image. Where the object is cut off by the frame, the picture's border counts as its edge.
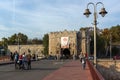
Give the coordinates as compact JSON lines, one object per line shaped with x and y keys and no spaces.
{"x":24,"y":61}
{"x":28,"y":61}
{"x":74,"y":56}
{"x":11,"y":56}
{"x":16,"y":57}
{"x":83,"y":62}
{"x":81,"y":56}
{"x":20,"y":61}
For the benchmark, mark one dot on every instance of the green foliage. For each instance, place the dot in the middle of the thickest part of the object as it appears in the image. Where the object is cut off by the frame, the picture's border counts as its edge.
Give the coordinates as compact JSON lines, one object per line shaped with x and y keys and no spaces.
{"x":12,"y":39}
{"x":100,"y":43}
{"x":20,"y":38}
{"x":115,"y":51}
{"x":106,"y":35}
{"x":113,"y":35}
{"x":35,"y":41}
{"x":46,"y":44}
{"x":115,"y":30}
{"x":17,"y":38}
{"x":4,"y":42}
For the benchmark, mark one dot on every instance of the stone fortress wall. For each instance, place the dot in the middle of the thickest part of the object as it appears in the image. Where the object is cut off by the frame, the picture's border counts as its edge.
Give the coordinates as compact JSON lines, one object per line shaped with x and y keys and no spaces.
{"x":55,"y":42}
{"x":77,"y":43}
{"x":34,"y":49}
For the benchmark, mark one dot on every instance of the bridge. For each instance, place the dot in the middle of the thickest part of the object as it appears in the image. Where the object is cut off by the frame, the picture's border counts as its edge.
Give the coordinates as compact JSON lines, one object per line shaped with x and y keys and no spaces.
{"x":50,"y":70}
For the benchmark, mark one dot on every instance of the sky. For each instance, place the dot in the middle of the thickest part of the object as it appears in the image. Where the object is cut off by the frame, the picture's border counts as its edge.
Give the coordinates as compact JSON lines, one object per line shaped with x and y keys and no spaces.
{"x":35,"y":18}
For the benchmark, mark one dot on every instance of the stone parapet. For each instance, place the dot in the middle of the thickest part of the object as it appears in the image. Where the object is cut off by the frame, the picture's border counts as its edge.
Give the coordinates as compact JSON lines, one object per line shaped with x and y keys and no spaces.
{"x":34,"y":49}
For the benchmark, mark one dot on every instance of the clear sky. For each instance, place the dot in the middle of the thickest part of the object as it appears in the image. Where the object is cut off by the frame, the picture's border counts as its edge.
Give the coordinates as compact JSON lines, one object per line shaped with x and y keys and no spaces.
{"x":37,"y":17}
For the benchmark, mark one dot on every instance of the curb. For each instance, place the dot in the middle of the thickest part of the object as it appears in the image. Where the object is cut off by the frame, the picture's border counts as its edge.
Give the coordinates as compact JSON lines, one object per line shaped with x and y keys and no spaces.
{"x":10,"y":62}
{"x":5,"y":63}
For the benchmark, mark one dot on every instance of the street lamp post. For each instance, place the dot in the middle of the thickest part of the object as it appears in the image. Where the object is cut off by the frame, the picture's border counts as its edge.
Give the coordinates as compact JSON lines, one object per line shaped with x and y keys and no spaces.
{"x":110,"y":46}
{"x":87,"y":13}
{"x":18,"y":39}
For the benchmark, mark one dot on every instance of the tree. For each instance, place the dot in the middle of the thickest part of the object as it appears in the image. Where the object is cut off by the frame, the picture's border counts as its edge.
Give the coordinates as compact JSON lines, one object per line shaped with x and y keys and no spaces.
{"x":106,"y":36}
{"x":46,"y":44}
{"x":114,"y":34}
{"x":115,"y":51}
{"x":22,"y":38}
{"x":100,"y":44}
{"x":12,"y":40}
{"x":115,"y":31}
{"x":4,"y":42}
{"x":4,"y":45}
{"x":36,"y":41}
{"x":15,"y":38}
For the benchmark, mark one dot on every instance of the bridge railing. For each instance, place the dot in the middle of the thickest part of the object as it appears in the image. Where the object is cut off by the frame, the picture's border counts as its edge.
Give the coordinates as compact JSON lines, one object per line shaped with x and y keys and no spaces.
{"x":94,"y":72}
{"x":4,"y":58}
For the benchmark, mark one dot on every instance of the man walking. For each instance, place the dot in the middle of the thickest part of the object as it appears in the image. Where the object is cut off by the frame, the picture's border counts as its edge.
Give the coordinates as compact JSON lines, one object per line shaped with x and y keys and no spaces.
{"x":16,"y":57}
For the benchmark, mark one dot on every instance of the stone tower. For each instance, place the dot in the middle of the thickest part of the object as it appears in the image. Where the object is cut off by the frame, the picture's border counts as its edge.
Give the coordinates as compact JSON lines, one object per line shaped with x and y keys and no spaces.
{"x":63,"y":43}
{"x":83,"y":41}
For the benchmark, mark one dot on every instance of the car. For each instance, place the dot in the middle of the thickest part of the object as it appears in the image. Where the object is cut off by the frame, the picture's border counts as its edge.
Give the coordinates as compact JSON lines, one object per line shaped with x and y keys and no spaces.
{"x":50,"y":57}
{"x":41,"y":57}
{"x":117,"y":57}
{"x":91,"y":57}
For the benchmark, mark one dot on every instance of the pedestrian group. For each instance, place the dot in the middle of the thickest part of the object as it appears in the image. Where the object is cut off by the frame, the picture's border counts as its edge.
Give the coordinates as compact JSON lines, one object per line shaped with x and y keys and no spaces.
{"x":22,"y":61}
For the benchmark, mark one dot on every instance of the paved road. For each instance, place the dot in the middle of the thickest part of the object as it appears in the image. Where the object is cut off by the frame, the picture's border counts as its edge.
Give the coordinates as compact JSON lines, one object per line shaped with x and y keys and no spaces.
{"x":39,"y":70}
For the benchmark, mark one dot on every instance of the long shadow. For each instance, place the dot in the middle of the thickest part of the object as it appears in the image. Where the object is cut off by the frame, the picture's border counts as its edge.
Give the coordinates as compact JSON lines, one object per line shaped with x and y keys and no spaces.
{"x":72,"y":66}
{"x":109,"y":73}
{"x":32,"y":69}
{"x":44,"y":68}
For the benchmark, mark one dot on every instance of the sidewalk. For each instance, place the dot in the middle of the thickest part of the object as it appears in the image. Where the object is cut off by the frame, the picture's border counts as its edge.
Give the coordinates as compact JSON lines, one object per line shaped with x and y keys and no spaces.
{"x":71,"y":71}
{"x":6,"y":62}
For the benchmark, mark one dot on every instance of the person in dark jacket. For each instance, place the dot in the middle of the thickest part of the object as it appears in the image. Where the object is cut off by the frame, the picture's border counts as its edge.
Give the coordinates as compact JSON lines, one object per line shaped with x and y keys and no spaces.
{"x":83,"y":62}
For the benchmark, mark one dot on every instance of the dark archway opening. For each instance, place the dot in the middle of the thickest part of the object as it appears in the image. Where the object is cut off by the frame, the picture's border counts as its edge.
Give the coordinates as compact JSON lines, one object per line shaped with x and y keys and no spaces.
{"x":66,"y":53}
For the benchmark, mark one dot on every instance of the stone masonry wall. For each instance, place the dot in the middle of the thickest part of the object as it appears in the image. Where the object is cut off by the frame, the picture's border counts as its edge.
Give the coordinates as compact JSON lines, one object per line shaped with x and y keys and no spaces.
{"x":35,"y":49}
{"x":55,"y":41}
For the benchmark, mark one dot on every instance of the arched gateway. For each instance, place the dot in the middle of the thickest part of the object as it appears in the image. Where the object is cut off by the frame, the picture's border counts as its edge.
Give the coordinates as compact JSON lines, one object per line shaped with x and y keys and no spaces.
{"x":66,"y":52}
{"x":66,"y":43}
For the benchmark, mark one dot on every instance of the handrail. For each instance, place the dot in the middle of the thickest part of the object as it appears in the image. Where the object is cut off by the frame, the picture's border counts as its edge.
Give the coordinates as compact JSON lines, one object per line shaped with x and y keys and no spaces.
{"x":94,"y":72}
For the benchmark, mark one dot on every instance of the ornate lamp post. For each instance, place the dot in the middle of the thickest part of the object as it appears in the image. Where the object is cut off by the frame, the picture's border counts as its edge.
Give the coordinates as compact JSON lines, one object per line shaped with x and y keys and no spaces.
{"x":110,"y":45}
{"x":18,"y":39}
{"x":87,"y":13}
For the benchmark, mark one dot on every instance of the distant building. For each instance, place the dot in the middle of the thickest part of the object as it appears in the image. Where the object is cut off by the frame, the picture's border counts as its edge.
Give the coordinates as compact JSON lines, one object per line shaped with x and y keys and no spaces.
{"x":67,"y":42}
